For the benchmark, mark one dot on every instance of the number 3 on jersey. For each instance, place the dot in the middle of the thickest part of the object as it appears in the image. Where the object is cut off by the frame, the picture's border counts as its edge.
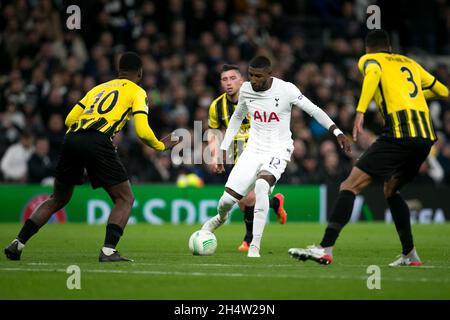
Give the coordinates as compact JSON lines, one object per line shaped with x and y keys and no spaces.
{"x":100,"y":108}
{"x":410,"y":79}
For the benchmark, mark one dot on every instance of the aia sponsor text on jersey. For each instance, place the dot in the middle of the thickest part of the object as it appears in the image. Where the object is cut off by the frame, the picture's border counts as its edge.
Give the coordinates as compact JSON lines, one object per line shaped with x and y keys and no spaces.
{"x":265,"y":116}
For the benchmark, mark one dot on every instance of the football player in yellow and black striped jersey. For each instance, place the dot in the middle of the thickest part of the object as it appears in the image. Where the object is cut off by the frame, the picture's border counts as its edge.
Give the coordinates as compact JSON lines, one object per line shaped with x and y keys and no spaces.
{"x":400,"y":88}
{"x":220,"y":112}
{"x":92,"y":123}
{"x":107,"y":107}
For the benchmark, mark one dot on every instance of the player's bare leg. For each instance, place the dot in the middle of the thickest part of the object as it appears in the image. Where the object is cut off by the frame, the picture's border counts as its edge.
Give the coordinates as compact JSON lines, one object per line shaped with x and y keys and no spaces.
{"x":123,"y":199}
{"x":402,"y":219}
{"x":264,"y":181}
{"x":356,"y":182}
{"x":60,"y":197}
{"x":226,"y":202}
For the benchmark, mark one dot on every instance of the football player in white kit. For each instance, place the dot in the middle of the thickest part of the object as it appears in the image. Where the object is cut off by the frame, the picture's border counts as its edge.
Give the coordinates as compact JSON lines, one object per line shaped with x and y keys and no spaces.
{"x":269,"y":101}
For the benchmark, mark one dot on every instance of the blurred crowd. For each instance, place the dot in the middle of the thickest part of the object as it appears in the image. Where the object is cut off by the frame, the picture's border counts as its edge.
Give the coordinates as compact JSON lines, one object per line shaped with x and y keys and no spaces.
{"x":46,"y":68}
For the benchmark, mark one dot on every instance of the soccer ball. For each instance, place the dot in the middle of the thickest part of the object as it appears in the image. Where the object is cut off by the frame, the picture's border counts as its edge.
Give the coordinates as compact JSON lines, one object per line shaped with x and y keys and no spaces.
{"x":202,"y":243}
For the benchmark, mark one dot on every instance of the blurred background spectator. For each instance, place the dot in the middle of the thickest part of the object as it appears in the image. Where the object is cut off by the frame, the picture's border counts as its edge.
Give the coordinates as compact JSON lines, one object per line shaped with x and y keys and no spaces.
{"x":14,"y":161}
{"x":39,"y":166}
{"x":47,"y":68}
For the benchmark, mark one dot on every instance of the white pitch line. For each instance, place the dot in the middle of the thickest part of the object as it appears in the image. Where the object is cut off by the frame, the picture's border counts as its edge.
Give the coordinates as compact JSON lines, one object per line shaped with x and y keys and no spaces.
{"x":311,"y":265}
{"x":217,"y":265}
{"x":231,"y":275}
{"x":388,"y":267}
{"x":165,"y":264}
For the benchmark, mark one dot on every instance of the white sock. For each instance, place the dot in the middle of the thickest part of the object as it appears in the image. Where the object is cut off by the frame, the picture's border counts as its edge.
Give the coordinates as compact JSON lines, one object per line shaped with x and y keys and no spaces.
{"x":262,"y":188}
{"x":213,"y":223}
{"x":226,"y":202}
{"x":108,"y":251}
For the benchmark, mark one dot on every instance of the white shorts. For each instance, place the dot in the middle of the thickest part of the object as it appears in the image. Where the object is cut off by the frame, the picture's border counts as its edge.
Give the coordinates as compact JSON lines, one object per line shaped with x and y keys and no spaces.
{"x":242,"y":177}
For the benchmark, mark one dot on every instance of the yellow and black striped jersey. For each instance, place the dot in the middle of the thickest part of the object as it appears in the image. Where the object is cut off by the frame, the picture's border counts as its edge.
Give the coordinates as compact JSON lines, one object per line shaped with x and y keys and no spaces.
{"x":220,"y":112}
{"x":108,"y":106}
{"x":398,"y":94}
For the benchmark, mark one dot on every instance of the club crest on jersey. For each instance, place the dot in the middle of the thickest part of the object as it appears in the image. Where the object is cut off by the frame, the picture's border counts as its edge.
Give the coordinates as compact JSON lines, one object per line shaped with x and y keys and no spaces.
{"x":276,"y":102}
{"x":265,"y":117}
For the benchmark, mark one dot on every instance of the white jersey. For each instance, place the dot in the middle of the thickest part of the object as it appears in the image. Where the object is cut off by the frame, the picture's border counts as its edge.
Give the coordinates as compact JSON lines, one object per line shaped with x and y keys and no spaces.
{"x":270,"y":113}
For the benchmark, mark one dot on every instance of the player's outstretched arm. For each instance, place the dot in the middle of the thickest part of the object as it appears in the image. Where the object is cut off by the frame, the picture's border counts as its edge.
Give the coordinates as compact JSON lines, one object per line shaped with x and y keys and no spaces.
{"x":146,"y":134}
{"x":213,"y":144}
{"x":234,"y":124}
{"x":219,"y":166}
{"x":233,"y":128}
{"x":437,"y":91}
{"x":170,"y":141}
{"x":341,"y":138}
{"x":321,"y":117}
{"x":431,"y":87}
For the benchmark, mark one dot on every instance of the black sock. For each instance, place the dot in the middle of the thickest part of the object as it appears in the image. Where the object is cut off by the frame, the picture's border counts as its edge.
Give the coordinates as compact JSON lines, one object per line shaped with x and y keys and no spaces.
{"x":401,"y":216}
{"x":248,"y":219}
{"x":113,"y":234}
{"x":29,"y":229}
{"x":340,"y":216}
{"x":274,"y":203}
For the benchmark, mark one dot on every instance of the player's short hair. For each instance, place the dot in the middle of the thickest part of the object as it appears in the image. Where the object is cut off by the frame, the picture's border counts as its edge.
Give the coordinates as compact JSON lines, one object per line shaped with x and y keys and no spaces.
{"x":260,"y":62}
{"x":228,"y":67}
{"x":130,"y":61}
{"x":377,"y":39}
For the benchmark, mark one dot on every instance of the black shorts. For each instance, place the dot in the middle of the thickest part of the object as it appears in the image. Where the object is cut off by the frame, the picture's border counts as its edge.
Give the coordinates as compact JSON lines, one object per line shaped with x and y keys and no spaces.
{"x":389,"y":157}
{"x":93,"y":151}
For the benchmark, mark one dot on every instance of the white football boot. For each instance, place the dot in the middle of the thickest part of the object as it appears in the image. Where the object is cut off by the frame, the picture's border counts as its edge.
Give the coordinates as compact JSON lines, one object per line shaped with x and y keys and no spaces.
{"x":253,"y":252}
{"x":411,"y":259}
{"x":314,"y":253}
{"x":212,"y":224}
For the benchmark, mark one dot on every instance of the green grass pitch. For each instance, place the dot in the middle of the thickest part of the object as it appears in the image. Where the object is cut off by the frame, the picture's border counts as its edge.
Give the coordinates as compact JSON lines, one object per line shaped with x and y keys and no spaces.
{"x":165,"y":269}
